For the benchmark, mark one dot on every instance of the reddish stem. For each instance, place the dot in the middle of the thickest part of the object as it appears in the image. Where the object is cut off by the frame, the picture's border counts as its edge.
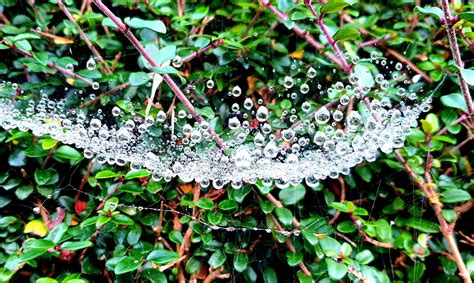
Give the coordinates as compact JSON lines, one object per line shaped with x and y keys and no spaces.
{"x":51,"y":65}
{"x":193,"y":55}
{"x":453,"y":43}
{"x":303,"y":33}
{"x":84,"y":36}
{"x":131,"y":37}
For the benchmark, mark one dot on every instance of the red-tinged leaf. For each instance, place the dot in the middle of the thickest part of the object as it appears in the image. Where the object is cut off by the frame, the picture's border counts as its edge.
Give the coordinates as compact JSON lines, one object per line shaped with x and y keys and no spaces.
{"x":61,"y":213}
{"x":80,"y":206}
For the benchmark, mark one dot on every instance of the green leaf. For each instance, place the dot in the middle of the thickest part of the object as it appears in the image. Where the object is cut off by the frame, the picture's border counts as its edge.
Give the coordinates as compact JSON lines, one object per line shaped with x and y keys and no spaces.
{"x":122,"y":219}
{"x":346,"y":34}
{"x":228,"y":204}
{"x":336,"y":270}
{"x":107,"y":22}
{"x":48,"y":143}
{"x":292,"y":195}
{"x":162,"y":257}
{"x":293,"y":258}
{"x":128,"y":264}
{"x":432,"y":11}
{"x":284,"y":215}
{"x":340,"y":206}
{"x":42,"y":176}
{"x":467,"y":16}
{"x":269,"y":275}
{"x":430,"y":125}
{"x":455,"y":195}
{"x":31,"y":254}
{"x":153,"y":276}
{"x":41,"y":244}
{"x":73,"y":246}
{"x":138,"y":78}
{"x":166,"y":70}
{"x":422,"y":225}
{"x":24,"y":191}
{"x":165,"y":54}
{"x":468,"y":76}
{"x":142,"y":173}
{"x":155,"y":25}
{"x":365,"y":257}
{"x":17,"y":158}
{"x":217,"y":259}
{"x":241,"y":261}
{"x":206,"y":112}
{"x":454,"y":100}
{"x":57,"y":233}
{"x":46,"y":280}
{"x":68,"y":152}
{"x":214,"y":218}
{"x":205,"y":203}
{"x":333,"y":6}
{"x":105,"y":174}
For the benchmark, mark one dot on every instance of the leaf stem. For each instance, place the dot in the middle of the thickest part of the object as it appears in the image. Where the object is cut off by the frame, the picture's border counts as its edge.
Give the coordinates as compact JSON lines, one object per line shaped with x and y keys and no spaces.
{"x":177,"y":91}
{"x":84,"y":37}
{"x":433,"y":197}
{"x":453,"y":43}
{"x":50,"y":64}
{"x":303,"y":33}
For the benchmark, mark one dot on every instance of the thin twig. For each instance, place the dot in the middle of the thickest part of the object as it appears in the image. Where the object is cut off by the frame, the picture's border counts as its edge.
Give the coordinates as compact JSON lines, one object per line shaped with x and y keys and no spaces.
{"x":320,"y":23}
{"x":107,"y":93}
{"x":433,"y":198}
{"x":84,"y":37}
{"x":50,"y":64}
{"x":177,"y":91}
{"x":453,"y":43}
{"x":211,"y":45}
{"x":405,"y":60}
{"x":302,"y":33}
{"x":343,"y":198}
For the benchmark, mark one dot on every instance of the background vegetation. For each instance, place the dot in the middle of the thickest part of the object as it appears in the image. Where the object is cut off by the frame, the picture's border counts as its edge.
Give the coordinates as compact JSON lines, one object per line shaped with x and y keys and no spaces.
{"x":405,"y":217}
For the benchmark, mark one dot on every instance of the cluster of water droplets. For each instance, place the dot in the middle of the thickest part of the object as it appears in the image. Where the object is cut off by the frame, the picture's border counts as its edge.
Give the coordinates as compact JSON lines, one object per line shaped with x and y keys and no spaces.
{"x":371,"y":112}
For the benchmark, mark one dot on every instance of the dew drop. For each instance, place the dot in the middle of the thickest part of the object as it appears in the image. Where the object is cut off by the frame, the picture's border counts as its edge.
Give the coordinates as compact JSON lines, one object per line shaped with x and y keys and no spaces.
{"x":90,"y":64}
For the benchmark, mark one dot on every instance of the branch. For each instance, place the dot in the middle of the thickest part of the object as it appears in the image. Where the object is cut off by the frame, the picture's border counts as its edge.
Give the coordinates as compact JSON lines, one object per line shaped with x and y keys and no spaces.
{"x":181,"y":96}
{"x":211,"y":45}
{"x":275,"y":221}
{"x":114,"y":190}
{"x":303,"y":33}
{"x":51,"y":65}
{"x":405,"y":60}
{"x":343,"y":198}
{"x":433,"y":198}
{"x":84,"y":36}
{"x":344,"y":65}
{"x":107,"y":93}
{"x":453,"y":43}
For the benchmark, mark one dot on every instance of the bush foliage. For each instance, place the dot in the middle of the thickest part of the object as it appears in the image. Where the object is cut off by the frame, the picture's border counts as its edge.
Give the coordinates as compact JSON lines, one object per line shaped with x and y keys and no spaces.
{"x":65,"y":218}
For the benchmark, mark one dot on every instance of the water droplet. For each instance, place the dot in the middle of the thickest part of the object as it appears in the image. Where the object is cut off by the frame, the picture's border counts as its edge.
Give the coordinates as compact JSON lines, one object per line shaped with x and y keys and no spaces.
{"x":95,"y":85}
{"x":288,"y":82}
{"x":177,"y":61}
{"x":90,"y":64}
{"x":322,"y":116}
{"x":262,"y":114}
{"x":116,"y":111}
{"x":236,"y":91}
{"x":210,"y":84}
{"x":234,"y":123}
{"x":311,"y":73}
{"x":304,"y":88}
{"x":70,"y":67}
